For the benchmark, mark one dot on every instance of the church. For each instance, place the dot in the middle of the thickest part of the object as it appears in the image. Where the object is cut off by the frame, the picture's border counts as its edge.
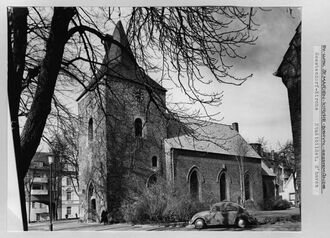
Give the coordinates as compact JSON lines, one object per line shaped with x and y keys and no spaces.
{"x":127,"y":139}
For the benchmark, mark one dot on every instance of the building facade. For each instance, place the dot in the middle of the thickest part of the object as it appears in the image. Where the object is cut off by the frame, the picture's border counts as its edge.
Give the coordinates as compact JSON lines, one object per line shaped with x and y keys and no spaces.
{"x":127,"y":140}
{"x":37,"y":190}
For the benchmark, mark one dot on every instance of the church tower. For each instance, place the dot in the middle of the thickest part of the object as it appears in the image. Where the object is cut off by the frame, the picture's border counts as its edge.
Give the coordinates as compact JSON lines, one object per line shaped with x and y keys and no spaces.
{"x":122,"y":130}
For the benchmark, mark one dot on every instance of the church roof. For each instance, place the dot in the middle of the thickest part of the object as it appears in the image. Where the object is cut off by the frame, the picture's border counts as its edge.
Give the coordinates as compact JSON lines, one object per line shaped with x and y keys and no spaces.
{"x":212,"y":137}
{"x":266,"y":170}
{"x":119,"y":62}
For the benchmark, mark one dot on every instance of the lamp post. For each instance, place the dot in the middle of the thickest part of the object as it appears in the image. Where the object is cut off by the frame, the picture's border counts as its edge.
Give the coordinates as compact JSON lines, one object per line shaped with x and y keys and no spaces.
{"x":50,"y":161}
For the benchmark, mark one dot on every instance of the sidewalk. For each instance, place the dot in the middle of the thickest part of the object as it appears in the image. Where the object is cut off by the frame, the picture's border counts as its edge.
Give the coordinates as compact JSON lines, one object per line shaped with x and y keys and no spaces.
{"x":273,"y":216}
{"x":268,"y":220}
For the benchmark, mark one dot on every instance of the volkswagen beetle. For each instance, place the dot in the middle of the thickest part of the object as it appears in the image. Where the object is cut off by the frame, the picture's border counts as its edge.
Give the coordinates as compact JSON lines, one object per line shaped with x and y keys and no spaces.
{"x":223,"y":213}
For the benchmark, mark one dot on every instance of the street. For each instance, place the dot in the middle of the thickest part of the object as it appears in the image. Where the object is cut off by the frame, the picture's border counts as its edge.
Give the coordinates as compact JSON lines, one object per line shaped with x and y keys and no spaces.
{"x":74,"y":225}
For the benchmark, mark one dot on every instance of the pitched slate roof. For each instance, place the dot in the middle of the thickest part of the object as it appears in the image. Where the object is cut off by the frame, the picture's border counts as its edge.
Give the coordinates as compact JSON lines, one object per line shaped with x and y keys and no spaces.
{"x":212,"y":138}
{"x":119,"y":62}
{"x":267,"y":170}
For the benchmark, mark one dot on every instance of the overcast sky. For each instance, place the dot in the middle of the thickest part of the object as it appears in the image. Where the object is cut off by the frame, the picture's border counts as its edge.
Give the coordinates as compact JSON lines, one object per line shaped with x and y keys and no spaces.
{"x":260,"y":105}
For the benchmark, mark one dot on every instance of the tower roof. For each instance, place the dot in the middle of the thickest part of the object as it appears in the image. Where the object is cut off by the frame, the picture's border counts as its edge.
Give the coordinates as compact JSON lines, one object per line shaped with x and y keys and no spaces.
{"x":119,"y":62}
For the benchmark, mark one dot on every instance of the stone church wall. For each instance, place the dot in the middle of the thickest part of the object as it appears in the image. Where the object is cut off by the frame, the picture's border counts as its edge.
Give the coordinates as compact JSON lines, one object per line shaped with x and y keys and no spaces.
{"x":117,"y":161}
{"x":209,"y":167}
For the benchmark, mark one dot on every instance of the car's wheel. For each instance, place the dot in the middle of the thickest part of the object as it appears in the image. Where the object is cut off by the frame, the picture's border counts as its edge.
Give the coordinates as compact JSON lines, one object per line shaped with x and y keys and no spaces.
{"x":199,"y":223}
{"x":241,"y":223}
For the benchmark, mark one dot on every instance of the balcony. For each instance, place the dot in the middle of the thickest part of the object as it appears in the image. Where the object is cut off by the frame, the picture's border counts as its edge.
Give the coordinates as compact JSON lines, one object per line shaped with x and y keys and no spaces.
{"x":70,"y":202}
{"x":39,"y":192}
{"x":40,"y":180}
{"x":41,"y":210}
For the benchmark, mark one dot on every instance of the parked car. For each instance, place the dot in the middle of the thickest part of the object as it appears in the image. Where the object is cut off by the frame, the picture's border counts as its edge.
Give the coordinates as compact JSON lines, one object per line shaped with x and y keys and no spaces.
{"x":223,"y":213}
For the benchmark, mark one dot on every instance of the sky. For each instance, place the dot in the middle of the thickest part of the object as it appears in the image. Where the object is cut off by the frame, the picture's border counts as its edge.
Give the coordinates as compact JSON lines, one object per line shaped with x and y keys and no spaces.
{"x":260,"y":105}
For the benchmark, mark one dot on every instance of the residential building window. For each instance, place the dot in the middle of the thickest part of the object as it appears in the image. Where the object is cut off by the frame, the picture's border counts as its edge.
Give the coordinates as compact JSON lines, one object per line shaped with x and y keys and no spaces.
{"x":33,"y":205}
{"x":36,"y":186}
{"x":138,"y":127}
{"x":68,"y":182}
{"x":41,"y":205}
{"x":68,"y":195}
{"x":292,"y":196}
{"x":90,"y":130}
{"x":40,"y":164}
{"x":68,"y":210}
{"x":154,"y":161}
{"x":37,"y":175}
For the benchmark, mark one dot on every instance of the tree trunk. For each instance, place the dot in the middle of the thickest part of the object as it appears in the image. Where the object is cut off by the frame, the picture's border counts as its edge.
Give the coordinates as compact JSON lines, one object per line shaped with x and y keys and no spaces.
{"x":30,"y":198}
{"x":26,"y":145}
{"x":17,"y":33}
{"x":50,"y":66}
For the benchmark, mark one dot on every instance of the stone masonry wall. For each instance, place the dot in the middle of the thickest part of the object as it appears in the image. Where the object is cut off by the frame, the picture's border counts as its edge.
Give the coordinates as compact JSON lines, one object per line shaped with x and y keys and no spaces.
{"x":129,"y":157}
{"x":92,"y":156}
{"x":210,"y":168}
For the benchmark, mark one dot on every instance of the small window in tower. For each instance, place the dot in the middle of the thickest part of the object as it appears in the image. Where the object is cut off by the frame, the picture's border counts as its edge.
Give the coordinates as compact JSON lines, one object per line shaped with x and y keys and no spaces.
{"x":138,"y":127}
{"x":90,"y":130}
{"x":154,"y":161}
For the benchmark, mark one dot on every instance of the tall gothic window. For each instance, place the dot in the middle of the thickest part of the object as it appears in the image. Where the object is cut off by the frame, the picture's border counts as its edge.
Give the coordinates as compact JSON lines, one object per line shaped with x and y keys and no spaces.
{"x":138,"y":127}
{"x":194,"y":185}
{"x":223,"y":187}
{"x":247,"y":186}
{"x":90,"y":130}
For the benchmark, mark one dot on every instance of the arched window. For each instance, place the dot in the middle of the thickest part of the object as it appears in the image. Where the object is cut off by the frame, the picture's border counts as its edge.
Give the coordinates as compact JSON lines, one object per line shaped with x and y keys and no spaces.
{"x":91,"y":198}
{"x":90,"y":130}
{"x":223,"y":186}
{"x":152,"y":180}
{"x":138,"y":127}
{"x":194,"y":185}
{"x":154,"y":161}
{"x":247,"y":186}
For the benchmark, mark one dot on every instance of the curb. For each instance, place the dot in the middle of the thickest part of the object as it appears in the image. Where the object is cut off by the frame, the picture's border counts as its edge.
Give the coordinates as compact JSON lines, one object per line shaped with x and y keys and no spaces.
{"x":175,"y":224}
{"x":272,"y":220}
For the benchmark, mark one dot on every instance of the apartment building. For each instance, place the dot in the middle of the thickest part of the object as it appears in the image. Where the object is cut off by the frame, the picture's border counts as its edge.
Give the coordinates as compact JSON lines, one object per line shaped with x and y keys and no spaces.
{"x":65,"y":201}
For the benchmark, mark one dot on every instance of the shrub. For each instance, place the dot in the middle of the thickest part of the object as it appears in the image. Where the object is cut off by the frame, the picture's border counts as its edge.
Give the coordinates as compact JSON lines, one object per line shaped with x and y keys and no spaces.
{"x":281,"y":204}
{"x":251,"y":205}
{"x":278,"y":204}
{"x":181,"y":208}
{"x":160,"y":203}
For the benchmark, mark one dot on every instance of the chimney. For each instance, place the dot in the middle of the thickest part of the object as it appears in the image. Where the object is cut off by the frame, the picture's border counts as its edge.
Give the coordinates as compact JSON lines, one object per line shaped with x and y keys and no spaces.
{"x":234,"y":126}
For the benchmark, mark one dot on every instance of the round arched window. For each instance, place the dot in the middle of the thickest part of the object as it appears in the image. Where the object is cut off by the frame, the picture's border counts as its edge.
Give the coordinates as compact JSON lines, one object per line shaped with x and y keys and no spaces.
{"x":90,"y":130}
{"x":138,"y":127}
{"x":152,"y":180}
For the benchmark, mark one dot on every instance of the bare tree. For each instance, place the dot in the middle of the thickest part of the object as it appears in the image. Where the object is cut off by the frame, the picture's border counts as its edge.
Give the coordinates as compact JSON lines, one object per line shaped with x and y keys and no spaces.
{"x":28,"y":182}
{"x":65,"y":148}
{"x":287,"y":159}
{"x":241,"y":149}
{"x":49,"y":49}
